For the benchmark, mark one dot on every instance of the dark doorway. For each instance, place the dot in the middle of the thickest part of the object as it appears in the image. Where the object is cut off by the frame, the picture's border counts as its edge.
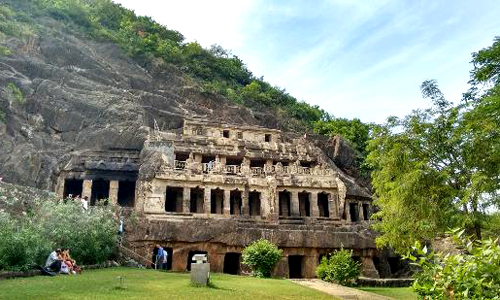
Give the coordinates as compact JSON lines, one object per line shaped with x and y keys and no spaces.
{"x":232,"y":263}
{"x":323,"y":205}
{"x":366,"y":211}
{"x":284,"y":202}
{"x":126,"y":193}
{"x":295,"y":266}
{"x":73,"y":187}
{"x":190,"y":258}
{"x":304,"y":205}
{"x":197,"y":200}
{"x":217,"y":201}
{"x":235,"y":203}
{"x":173,"y":199}
{"x":254,"y":203}
{"x":354,"y":212}
{"x":100,"y":190}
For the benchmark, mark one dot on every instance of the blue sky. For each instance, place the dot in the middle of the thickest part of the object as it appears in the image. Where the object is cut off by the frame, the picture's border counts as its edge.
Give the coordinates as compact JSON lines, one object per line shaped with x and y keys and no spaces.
{"x":355,"y":59}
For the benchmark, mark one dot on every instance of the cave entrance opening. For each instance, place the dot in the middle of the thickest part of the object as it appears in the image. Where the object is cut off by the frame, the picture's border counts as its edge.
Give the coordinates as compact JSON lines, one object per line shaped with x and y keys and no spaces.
{"x":323,"y":205}
{"x":100,"y":191}
{"x":232,"y":263}
{"x":284,"y":202}
{"x":173,"y":199}
{"x":295,"y":266}
{"x":304,"y":204}
{"x":73,"y":187}
{"x":196,"y":201}
{"x":126,"y":193}
{"x":254,"y":203}
{"x":235,"y":203}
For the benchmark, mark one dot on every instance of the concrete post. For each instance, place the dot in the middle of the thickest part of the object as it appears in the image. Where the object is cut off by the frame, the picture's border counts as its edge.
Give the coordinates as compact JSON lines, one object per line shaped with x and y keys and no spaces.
{"x":87,"y":189}
{"x":186,"y":199}
{"x":206,"y":202}
{"x":227,"y":202}
{"x":294,"y":203}
{"x":113,"y":192}
{"x":314,"y":205}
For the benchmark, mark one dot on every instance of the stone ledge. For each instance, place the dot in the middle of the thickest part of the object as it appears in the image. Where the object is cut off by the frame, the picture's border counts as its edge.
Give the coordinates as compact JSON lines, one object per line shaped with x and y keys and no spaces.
{"x":386,"y":282}
{"x":32,"y":273}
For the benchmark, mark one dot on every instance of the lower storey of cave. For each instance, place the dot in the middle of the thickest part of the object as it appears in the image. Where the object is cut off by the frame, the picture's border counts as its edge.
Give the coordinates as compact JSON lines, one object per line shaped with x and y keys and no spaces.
{"x":295,"y":262}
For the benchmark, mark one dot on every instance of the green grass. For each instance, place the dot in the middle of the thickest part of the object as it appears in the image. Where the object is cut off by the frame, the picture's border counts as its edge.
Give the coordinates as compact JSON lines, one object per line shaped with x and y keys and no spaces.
{"x":150,"y":284}
{"x":405,"y":293}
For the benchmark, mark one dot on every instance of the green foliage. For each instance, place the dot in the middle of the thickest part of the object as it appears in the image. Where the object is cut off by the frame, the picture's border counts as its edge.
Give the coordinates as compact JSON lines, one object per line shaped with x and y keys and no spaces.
{"x":438,"y":168}
{"x":261,"y":256}
{"x":31,"y":229}
{"x":471,"y":274}
{"x":16,"y":93}
{"x":338,"y":267}
{"x":4,"y":51}
{"x":354,"y":131}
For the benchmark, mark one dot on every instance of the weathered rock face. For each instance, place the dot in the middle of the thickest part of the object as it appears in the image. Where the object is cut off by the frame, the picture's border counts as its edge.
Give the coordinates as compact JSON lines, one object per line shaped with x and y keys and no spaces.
{"x":79,"y":94}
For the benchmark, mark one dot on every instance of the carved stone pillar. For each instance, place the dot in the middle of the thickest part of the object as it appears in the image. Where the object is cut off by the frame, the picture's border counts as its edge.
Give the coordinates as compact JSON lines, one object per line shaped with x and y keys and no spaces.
{"x":245,"y":204}
{"x":368,"y":267}
{"x":186,"y":199}
{"x":113,"y":192}
{"x":206,"y":200}
{"x":294,"y":203}
{"x":227,"y":202}
{"x":314,"y":205}
{"x":87,"y":189}
{"x":332,"y":204}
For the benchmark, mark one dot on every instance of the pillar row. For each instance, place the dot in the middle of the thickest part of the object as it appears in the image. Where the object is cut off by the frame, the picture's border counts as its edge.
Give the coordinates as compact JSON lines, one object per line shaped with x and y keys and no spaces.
{"x":186,"y":199}
{"x":113,"y":192}
{"x":87,"y":188}
{"x":294,"y":203}
{"x":314,"y":205}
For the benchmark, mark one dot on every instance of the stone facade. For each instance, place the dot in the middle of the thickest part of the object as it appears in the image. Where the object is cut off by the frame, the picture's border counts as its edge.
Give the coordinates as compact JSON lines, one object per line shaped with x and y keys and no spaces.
{"x":214,"y":188}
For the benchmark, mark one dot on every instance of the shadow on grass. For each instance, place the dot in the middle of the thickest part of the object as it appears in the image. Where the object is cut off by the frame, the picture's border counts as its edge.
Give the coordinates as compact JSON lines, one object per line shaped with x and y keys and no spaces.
{"x":211,"y":285}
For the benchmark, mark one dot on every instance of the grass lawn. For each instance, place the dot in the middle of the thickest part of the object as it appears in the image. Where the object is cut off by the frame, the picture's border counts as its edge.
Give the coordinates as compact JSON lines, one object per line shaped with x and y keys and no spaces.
{"x":150,"y":284}
{"x":393,"y":292}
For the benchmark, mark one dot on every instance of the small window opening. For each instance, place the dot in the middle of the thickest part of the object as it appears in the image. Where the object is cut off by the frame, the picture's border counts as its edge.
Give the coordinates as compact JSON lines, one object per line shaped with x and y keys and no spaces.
{"x":254,"y":203}
{"x":304,"y":204}
{"x":354,"y":212}
{"x":73,"y":187}
{"x":225,"y":134}
{"x":257,"y":163}
{"x":126,"y":193}
{"x":217,"y":201}
{"x":267,"y":138}
{"x":323,"y":208}
{"x":284,"y":204}
{"x":173,"y":199}
{"x":366,"y":211}
{"x":181,"y":156}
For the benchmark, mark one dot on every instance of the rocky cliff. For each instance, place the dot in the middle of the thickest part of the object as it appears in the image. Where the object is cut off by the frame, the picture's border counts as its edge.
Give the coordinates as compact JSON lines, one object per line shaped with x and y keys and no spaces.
{"x":62,"y":93}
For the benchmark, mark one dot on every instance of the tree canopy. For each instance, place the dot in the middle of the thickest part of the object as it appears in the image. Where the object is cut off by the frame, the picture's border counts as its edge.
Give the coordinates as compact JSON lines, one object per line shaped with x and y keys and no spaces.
{"x":439,"y":167}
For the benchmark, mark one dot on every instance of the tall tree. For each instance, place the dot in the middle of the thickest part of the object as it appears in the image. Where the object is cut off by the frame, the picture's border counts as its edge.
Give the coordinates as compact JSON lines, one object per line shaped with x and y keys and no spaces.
{"x":439,"y":167}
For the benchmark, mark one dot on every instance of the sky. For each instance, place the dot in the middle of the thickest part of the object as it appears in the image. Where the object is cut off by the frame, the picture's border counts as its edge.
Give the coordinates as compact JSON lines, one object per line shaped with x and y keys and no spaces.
{"x":361,"y":59}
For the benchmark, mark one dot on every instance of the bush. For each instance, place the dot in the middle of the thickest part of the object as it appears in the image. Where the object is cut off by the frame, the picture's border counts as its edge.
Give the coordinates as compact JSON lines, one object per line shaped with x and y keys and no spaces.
{"x":339,"y":267}
{"x":31,"y":228}
{"x":261,"y":256}
{"x":472,"y":274}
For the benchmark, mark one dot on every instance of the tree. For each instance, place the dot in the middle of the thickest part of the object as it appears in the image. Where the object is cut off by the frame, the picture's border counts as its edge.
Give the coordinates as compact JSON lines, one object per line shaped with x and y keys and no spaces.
{"x":354,"y":131}
{"x":261,"y":256}
{"x":439,"y":168}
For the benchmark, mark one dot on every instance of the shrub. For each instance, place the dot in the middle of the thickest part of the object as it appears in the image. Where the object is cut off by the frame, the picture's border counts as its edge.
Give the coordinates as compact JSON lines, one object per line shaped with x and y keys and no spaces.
{"x":472,"y":274}
{"x":261,"y":256}
{"x":16,"y":93}
{"x":338,"y":267}
{"x":30,"y":228}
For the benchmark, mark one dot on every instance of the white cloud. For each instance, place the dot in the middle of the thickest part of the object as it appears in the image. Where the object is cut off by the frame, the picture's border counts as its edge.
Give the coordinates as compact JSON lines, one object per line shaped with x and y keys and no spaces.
{"x":208,"y":22}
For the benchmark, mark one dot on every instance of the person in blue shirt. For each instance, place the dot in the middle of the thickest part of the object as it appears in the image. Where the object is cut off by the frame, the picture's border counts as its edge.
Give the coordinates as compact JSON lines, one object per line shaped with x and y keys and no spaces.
{"x":161,"y":258}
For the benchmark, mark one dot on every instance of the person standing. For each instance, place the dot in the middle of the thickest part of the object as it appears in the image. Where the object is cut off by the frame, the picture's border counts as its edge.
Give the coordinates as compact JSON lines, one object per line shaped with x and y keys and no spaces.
{"x":161,"y":258}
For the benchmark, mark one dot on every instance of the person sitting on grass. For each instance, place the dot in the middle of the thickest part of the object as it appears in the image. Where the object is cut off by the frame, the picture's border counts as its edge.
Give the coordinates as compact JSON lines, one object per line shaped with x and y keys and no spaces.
{"x":54,"y":261}
{"x":71,"y":263}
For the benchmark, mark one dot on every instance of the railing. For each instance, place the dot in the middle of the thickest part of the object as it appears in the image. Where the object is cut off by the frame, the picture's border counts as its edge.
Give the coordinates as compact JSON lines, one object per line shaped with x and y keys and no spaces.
{"x":233,"y":169}
{"x":257,"y":170}
{"x":179,"y":165}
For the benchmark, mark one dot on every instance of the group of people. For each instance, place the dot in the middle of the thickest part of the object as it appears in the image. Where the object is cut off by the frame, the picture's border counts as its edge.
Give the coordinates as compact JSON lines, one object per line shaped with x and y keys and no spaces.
{"x":83,"y":200}
{"x":59,"y":261}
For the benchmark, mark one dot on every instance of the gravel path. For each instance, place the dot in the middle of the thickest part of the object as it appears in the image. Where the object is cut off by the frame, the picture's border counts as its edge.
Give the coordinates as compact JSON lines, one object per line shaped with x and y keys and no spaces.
{"x":338,"y":291}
